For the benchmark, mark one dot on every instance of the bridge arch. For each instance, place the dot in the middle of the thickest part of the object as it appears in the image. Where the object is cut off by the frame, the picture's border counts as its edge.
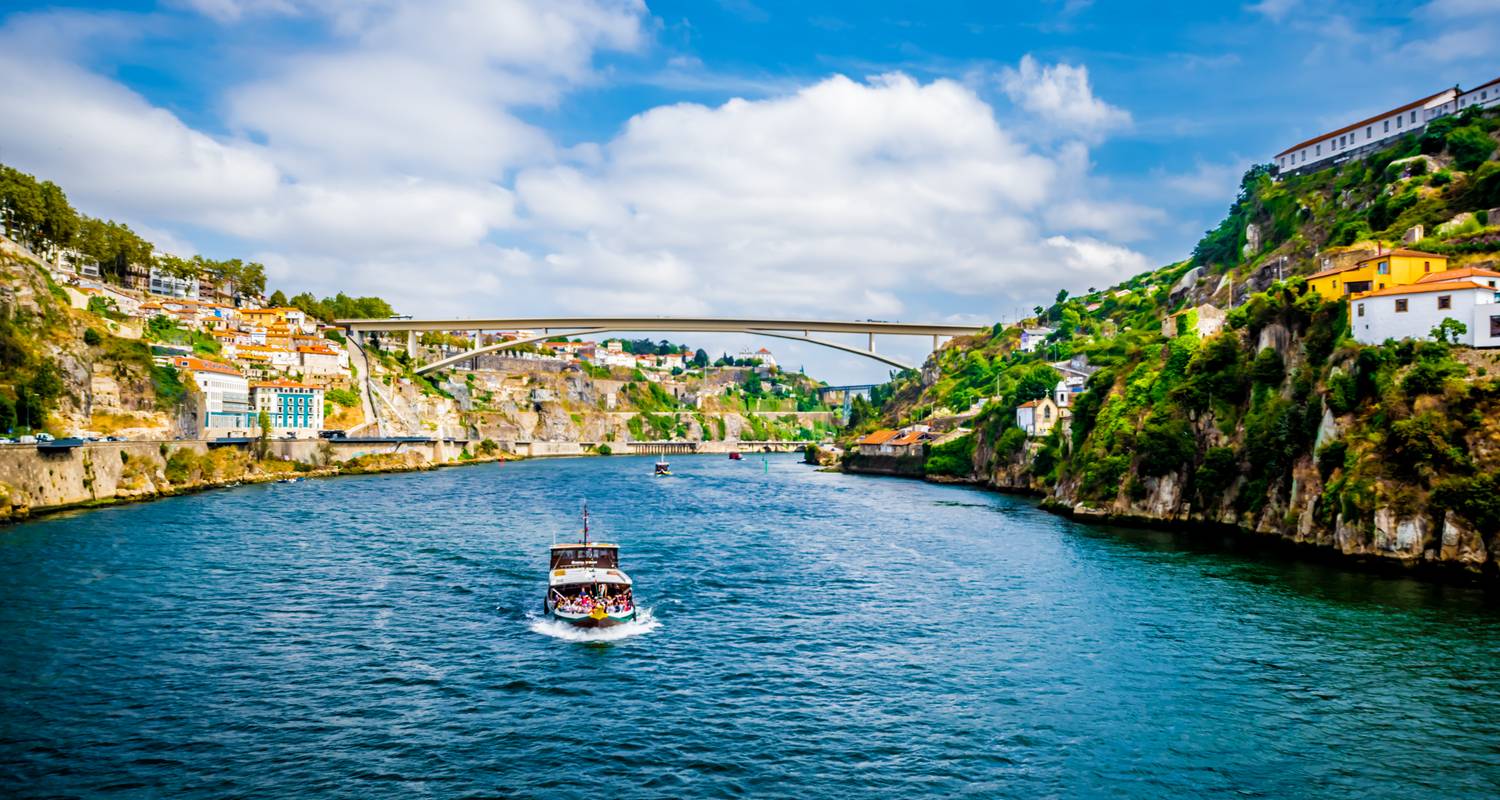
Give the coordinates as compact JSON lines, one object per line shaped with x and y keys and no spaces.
{"x":794,"y":330}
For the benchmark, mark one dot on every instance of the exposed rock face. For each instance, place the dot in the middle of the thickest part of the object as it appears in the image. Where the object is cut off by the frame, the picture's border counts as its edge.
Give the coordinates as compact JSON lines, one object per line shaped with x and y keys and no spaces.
{"x":1252,"y":239}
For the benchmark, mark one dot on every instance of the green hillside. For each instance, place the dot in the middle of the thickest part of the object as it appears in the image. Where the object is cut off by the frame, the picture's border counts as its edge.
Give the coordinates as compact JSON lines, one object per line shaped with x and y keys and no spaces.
{"x":1279,"y":422}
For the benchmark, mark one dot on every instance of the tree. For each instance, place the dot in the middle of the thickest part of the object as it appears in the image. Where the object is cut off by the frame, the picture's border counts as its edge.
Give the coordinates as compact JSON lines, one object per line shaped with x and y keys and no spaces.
{"x":1036,"y":383}
{"x":1449,"y":330}
{"x":265,"y":432}
{"x":91,"y":337}
{"x":278,"y":300}
{"x":1062,"y":296}
{"x":700,"y":358}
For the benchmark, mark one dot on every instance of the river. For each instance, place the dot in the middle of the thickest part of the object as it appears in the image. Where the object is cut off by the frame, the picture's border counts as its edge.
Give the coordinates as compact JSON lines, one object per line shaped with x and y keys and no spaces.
{"x":810,"y":635}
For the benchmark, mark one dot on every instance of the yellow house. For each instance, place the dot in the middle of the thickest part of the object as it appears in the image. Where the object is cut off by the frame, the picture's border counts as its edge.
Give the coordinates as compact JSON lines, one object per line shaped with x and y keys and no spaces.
{"x":1381,"y":271}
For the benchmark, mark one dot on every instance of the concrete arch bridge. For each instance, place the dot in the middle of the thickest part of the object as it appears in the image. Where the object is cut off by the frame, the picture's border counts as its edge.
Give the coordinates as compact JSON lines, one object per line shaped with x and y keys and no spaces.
{"x":800,"y":330}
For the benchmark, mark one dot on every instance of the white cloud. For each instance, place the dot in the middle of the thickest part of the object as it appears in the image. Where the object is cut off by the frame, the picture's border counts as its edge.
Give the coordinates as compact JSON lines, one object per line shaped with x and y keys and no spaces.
{"x":395,"y":163}
{"x":1274,"y":10}
{"x":432,"y":88}
{"x":1061,"y":97}
{"x":234,"y":10}
{"x":102,"y":141}
{"x":845,"y":194}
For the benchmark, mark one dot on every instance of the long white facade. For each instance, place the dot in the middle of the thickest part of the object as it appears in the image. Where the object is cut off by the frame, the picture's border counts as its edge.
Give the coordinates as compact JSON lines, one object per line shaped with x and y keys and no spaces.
{"x":1413,"y":314}
{"x":1376,"y":132}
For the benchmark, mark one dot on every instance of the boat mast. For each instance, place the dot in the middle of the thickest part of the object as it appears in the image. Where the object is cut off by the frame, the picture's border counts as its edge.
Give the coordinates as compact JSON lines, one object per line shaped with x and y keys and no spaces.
{"x":585,"y":522}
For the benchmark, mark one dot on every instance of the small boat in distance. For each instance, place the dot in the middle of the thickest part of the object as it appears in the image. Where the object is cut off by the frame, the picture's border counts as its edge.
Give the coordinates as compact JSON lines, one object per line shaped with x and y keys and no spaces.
{"x":735,"y":456}
{"x":663,"y":469}
{"x":585,"y":587}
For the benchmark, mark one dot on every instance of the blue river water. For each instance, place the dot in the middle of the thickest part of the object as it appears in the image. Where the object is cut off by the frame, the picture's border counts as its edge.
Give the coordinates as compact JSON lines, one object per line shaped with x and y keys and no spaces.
{"x":809,"y":635}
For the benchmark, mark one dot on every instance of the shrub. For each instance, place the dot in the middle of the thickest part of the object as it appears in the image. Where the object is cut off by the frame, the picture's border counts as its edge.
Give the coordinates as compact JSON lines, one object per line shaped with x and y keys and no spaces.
{"x":1331,"y":456}
{"x":1470,"y":147}
{"x":604,"y":450}
{"x":1476,"y":498}
{"x":1219,"y":469}
{"x":1343,"y":393}
{"x":91,"y":337}
{"x":1268,"y":369}
{"x":1011,"y":441}
{"x":953,"y":459}
{"x":488,"y":447}
{"x":1427,"y":376}
{"x":347,"y":398}
{"x":1165,"y":444}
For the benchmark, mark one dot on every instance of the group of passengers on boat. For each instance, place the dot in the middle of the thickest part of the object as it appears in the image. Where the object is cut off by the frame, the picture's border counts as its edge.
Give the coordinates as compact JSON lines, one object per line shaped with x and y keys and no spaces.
{"x":586,"y":601}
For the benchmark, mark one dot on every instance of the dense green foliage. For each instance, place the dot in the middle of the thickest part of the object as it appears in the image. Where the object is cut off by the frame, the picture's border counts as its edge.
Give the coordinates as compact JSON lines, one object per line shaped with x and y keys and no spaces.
{"x":953,"y":459}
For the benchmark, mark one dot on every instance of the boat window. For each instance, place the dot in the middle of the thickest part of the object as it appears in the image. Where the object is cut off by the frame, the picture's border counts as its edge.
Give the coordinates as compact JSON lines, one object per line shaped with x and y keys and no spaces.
{"x":599,"y":557}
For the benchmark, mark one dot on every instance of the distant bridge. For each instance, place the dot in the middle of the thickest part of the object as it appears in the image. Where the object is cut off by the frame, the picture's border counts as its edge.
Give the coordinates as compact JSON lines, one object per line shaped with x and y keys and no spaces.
{"x":799,"y":330}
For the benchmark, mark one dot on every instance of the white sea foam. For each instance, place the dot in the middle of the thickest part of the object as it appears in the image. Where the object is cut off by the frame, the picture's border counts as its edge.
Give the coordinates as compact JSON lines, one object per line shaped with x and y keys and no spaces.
{"x":643,"y":623}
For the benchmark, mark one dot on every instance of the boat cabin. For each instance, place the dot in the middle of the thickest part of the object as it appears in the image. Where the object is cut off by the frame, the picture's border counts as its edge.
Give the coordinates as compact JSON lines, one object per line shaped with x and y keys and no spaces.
{"x":579,"y":556}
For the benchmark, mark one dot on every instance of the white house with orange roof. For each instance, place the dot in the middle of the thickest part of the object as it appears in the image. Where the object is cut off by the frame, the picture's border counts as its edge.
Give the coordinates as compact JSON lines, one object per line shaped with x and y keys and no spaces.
{"x":1037,"y":417}
{"x":1469,"y":295}
{"x":221,"y":406}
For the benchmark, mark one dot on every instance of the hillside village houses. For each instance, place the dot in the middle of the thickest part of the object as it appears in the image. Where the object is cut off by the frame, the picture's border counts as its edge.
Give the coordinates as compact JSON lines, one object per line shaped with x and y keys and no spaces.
{"x":1032,"y":338}
{"x":908,"y":441}
{"x":1383,"y":270}
{"x":1470,"y":296}
{"x":1374,"y":133}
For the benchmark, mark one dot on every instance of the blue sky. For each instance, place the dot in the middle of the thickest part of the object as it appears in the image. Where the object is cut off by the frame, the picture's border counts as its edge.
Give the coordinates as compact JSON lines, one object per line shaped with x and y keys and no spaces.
{"x":946,"y":161}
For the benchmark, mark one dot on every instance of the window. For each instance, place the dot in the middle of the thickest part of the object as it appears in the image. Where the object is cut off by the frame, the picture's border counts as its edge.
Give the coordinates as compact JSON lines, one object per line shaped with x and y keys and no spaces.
{"x":1341,"y":141}
{"x":1361,"y":309}
{"x":1387,"y":126}
{"x":1495,"y":325}
{"x":1445,"y":301}
{"x":1383,"y":268}
{"x":1398,"y":122}
{"x":1426,"y":266}
{"x":1369,"y":132}
{"x":1318,"y":149}
{"x":1414,"y":117}
{"x":1400,"y":306}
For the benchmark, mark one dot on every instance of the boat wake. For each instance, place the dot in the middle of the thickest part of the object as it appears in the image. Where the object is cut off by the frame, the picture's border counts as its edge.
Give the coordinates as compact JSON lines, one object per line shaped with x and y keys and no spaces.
{"x":643,"y":623}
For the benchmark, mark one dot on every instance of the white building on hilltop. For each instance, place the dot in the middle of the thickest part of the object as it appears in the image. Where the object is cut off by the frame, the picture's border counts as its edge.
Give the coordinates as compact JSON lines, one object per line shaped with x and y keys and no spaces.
{"x":1374,"y":133}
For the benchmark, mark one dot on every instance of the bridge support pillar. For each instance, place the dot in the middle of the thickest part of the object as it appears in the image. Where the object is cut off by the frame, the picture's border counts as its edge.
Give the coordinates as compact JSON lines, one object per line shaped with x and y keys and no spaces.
{"x":411,"y":344}
{"x":872,"y":341}
{"x":474,"y":364}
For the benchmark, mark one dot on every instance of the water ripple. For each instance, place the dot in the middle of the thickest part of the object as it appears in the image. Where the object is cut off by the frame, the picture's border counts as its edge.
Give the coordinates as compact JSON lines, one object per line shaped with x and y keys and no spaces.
{"x":805,"y":634}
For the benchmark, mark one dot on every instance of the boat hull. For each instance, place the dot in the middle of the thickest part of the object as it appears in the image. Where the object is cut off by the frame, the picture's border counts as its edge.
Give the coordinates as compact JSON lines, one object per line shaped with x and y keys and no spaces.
{"x":594,"y":621}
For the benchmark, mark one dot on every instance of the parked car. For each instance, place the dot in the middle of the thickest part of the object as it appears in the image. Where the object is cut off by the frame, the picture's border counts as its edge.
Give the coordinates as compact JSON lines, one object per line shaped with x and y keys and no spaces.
{"x":45,"y":437}
{"x":28,"y":439}
{"x":6,"y":440}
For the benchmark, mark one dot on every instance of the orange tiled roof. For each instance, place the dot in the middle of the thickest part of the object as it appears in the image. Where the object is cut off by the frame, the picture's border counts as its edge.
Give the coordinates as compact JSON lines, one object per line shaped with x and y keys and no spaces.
{"x":911,"y":437}
{"x":1421,"y":288}
{"x":1458,"y":274}
{"x":1401,"y":252}
{"x":282,"y":384}
{"x":879,"y":437}
{"x":200,"y":365}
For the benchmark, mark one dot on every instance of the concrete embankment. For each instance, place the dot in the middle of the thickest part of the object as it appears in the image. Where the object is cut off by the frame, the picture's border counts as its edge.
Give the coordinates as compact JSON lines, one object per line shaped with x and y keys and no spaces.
{"x":35,"y":481}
